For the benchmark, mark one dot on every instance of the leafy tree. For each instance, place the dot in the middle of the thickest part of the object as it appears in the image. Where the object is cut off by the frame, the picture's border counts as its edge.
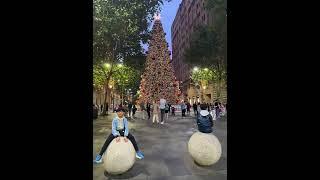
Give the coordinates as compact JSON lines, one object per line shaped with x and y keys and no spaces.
{"x":208,"y":49}
{"x":127,"y":77}
{"x":119,"y":27}
{"x":207,"y":75}
{"x":124,"y":77}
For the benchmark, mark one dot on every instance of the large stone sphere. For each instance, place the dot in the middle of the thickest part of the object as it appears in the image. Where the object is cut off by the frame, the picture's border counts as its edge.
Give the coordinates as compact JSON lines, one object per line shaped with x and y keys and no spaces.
{"x":119,"y":156}
{"x":204,"y":148}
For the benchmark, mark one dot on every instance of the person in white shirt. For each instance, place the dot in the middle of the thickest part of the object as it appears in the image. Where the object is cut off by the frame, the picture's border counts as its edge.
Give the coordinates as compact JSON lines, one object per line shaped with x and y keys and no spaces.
{"x":162,"y":109}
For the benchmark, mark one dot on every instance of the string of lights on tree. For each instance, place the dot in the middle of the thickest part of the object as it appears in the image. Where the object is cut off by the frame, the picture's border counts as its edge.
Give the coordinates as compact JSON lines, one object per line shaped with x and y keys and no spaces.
{"x":158,"y":80}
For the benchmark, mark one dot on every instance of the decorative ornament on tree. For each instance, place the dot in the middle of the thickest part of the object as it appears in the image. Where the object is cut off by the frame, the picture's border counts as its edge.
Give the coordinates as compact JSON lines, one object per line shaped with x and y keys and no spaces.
{"x":158,"y":73}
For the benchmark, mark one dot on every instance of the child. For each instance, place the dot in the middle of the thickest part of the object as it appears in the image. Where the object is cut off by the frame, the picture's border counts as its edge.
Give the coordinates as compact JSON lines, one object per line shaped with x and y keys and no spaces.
{"x":119,"y":128}
{"x":204,"y":120}
{"x":155,"y":113}
{"x":172,"y":110}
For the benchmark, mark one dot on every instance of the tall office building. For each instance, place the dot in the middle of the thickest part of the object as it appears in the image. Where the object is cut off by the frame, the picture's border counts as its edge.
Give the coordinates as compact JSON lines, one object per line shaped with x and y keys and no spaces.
{"x":191,"y":13}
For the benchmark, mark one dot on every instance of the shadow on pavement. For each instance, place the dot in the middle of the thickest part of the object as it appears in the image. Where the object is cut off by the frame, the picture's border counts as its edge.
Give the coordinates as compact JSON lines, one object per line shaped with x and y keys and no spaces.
{"x":136,"y":170}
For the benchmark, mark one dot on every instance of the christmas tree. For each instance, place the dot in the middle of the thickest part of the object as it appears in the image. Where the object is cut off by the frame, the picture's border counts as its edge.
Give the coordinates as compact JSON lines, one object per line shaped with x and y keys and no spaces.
{"x":158,"y":80}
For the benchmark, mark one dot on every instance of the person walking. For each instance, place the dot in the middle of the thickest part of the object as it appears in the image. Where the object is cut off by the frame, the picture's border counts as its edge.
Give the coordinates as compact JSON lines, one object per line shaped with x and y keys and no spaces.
{"x":195,"y":109}
{"x":134,"y":109}
{"x":129,"y":109}
{"x":173,"y":111}
{"x":183,"y":109}
{"x":162,"y":109}
{"x":148,"y":109}
{"x":95,"y":111}
{"x":155,"y":112}
{"x":166,"y":111}
{"x":101,"y":108}
{"x":188,"y":108}
{"x":216,"y":106}
{"x":142,"y":109}
{"x":198,"y":109}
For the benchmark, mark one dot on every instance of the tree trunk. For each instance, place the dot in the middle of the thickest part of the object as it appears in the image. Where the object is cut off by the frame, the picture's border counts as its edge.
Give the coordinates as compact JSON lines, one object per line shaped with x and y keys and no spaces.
{"x":105,"y":110}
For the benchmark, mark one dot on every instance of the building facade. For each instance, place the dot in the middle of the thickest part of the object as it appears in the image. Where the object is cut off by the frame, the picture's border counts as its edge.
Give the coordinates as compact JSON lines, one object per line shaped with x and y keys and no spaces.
{"x":113,"y":98}
{"x":190,"y":15}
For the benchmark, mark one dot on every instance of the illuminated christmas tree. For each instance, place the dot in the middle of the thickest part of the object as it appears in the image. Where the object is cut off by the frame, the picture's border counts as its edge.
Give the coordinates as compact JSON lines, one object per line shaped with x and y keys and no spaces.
{"x":158,"y":80}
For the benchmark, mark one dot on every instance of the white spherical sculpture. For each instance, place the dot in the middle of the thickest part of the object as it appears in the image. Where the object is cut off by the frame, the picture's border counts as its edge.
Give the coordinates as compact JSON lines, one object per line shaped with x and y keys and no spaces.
{"x":204,"y":148}
{"x":119,"y":156}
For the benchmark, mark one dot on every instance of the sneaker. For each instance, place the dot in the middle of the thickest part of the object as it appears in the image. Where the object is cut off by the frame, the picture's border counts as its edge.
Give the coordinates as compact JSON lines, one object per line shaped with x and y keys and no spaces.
{"x":98,"y":159}
{"x":139,"y":155}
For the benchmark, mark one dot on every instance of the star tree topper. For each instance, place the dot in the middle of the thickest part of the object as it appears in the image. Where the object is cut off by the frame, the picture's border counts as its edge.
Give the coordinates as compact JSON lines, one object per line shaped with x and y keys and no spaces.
{"x":157,"y":16}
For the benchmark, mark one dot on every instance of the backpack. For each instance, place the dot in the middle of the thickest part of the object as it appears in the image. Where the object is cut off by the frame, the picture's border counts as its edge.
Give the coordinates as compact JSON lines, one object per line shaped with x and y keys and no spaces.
{"x":166,"y":107}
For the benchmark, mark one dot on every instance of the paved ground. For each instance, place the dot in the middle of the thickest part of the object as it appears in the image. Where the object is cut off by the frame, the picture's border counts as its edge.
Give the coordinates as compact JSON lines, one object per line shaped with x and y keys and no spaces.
{"x":165,"y":150}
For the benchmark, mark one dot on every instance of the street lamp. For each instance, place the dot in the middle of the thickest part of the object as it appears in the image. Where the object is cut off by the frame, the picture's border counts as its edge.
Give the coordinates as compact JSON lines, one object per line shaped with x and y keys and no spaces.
{"x":206,"y":69}
{"x":195,"y":69}
{"x":107,"y":65}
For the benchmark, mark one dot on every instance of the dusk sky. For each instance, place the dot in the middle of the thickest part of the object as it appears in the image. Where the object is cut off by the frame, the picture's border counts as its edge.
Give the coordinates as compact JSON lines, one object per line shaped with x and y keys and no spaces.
{"x":168,"y":13}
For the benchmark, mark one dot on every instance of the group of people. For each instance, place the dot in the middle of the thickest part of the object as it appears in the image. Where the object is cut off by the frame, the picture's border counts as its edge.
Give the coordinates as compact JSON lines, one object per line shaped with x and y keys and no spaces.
{"x":130,"y":108}
{"x":205,"y":116}
{"x":185,"y":107}
{"x":216,"y":110}
{"x":162,"y":108}
{"x":98,"y":109}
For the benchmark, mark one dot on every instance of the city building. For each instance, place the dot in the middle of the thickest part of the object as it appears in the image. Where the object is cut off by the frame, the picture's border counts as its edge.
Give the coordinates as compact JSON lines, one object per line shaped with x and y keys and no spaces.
{"x":113,"y":98}
{"x":190,"y":15}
